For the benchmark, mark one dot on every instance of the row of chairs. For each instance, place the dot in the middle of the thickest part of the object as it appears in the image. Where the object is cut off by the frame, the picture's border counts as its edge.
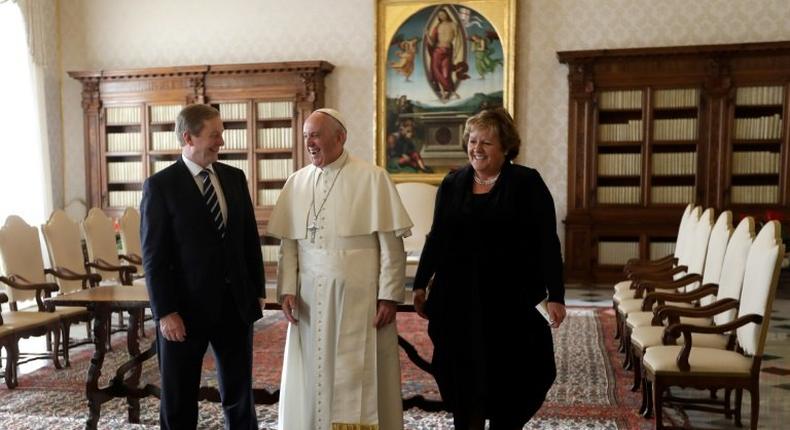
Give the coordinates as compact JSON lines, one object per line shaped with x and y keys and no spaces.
{"x":27,"y":282}
{"x":699,"y":318}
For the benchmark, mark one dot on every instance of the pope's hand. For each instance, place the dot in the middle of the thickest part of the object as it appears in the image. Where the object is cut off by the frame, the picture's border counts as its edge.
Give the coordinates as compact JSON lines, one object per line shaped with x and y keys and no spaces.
{"x":289,"y":308}
{"x":385,"y":314}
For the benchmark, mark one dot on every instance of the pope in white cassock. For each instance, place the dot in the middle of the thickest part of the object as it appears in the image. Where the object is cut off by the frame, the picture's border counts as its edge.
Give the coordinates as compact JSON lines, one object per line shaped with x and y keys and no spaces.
{"x":340,"y":278}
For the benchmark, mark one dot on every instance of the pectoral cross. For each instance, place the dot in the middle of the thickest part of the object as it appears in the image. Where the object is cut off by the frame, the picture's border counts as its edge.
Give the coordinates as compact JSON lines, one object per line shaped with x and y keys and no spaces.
{"x":313,"y":228}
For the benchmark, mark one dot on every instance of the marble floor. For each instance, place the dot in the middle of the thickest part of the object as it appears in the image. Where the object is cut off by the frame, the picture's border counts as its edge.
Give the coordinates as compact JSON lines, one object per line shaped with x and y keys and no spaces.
{"x":774,"y":378}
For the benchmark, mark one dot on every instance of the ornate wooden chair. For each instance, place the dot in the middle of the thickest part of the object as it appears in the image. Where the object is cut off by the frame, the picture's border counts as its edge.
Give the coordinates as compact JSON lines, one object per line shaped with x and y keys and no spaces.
{"x":667,"y":271}
{"x":103,"y":258}
{"x":640,"y":265}
{"x":691,"y":365}
{"x":682,"y":281}
{"x":130,"y":240}
{"x":714,"y":251}
{"x":26,"y":286}
{"x":7,"y":339}
{"x":62,"y":239}
{"x":712,"y":295}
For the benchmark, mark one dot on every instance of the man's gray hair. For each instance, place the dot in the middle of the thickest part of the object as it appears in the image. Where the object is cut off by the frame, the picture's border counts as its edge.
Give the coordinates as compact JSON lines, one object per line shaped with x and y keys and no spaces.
{"x":191,"y":119}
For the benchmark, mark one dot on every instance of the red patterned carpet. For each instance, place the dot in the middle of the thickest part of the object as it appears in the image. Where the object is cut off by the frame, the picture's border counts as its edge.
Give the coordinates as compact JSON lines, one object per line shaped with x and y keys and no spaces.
{"x":591,"y":391}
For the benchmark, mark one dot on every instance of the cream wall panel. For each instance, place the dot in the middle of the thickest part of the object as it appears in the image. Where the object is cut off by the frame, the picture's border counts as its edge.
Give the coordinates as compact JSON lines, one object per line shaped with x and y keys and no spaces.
{"x":100,"y":34}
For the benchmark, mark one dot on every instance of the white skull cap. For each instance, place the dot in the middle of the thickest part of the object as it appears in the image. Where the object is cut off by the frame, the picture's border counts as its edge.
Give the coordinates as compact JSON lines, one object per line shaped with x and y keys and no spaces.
{"x":335,"y":115}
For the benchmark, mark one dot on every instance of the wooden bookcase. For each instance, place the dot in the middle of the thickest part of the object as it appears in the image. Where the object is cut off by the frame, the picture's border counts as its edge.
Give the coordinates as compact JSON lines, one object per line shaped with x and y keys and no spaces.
{"x":652,"y":129}
{"x":129,"y":120}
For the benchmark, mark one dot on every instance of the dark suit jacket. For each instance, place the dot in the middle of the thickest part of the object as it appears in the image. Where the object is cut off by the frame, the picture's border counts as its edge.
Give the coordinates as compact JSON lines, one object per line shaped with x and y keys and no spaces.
{"x":189,"y":269}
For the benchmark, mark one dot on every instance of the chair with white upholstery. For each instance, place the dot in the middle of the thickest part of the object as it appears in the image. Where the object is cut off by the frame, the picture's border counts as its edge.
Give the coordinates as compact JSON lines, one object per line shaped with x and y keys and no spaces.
{"x":26,"y":287}
{"x":99,"y":234}
{"x":667,"y":261}
{"x":64,"y":247}
{"x":418,"y":200}
{"x":675,"y":269}
{"x":710,"y":265}
{"x":130,"y":239}
{"x":714,"y":295}
{"x":685,"y":281}
{"x":690,"y":365}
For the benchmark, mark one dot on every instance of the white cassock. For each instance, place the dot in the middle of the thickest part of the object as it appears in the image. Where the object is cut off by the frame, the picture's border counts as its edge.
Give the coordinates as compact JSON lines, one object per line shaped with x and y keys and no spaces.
{"x":339,"y":371}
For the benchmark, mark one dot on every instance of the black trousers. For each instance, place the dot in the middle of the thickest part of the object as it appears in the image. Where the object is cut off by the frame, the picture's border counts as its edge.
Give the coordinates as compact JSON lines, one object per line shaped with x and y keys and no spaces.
{"x":180,"y":365}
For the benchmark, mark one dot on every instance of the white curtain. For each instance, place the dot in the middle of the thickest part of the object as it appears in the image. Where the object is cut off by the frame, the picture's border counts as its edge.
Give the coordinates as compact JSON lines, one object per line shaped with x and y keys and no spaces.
{"x":25,"y":180}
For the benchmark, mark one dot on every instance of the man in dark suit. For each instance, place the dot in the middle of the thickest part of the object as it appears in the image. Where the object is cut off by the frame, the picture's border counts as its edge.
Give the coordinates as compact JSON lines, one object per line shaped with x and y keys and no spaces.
{"x":204,"y":271}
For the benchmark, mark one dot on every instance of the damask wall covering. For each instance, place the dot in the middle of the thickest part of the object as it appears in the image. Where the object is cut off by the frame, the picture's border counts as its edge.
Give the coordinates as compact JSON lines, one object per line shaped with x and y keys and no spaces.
{"x":97,"y":34}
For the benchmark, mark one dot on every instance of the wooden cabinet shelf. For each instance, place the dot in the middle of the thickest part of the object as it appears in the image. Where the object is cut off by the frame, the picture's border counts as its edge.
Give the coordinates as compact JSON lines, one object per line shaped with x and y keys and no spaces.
{"x":129,"y":116}
{"x":653,"y":129}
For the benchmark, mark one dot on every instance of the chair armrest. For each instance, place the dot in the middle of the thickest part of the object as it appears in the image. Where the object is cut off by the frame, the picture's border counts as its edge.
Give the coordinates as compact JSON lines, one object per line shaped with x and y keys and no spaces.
{"x":132,"y":258}
{"x":637,"y":262}
{"x":641,"y":266}
{"x":687,"y":329}
{"x":69,"y":275}
{"x":673,"y":313}
{"x":13,"y":281}
{"x":649,"y":286}
{"x":662,"y":275}
{"x":125,"y":272}
{"x":661,"y":298}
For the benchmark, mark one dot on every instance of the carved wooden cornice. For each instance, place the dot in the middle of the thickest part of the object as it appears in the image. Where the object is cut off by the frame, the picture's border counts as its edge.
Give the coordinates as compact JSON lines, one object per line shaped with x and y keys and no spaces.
{"x":199,"y":71}
{"x":568,"y":57}
{"x":91,"y":101}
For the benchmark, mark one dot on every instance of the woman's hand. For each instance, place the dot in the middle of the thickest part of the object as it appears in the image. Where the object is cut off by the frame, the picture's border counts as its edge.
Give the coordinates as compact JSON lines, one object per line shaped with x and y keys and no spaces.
{"x":556,"y":312}
{"x":419,"y":303}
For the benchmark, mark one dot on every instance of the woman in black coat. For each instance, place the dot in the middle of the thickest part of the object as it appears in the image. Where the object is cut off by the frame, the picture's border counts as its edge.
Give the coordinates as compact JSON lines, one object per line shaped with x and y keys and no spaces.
{"x":493,"y":255}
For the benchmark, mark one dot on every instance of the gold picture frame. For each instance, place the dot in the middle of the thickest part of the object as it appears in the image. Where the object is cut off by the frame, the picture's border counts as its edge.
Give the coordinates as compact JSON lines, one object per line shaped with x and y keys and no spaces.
{"x":438,"y":63}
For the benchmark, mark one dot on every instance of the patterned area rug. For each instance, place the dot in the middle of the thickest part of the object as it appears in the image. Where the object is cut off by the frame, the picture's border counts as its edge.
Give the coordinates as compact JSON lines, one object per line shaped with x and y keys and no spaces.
{"x":591,"y":391}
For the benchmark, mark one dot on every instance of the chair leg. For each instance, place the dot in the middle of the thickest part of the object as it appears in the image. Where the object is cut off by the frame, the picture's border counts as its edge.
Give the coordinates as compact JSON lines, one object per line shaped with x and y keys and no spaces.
{"x":636,"y":364}
{"x":738,"y":405}
{"x":728,"y":403}
{"x":65,"y":327}
{"x":658,"y":392}
{"x":11,"y":363}
{"x":648,"y":393}
{"x":56,"y":343}
{"x":617,"y":333}
{"x":108,"y":323}
{"x":142,"y":322}
{"x":627,"y":361}
{"x":754,"y":396}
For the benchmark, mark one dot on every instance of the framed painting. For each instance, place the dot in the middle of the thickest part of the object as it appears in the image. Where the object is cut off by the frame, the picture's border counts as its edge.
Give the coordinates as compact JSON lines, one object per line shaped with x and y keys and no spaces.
{"x":437,"y":64}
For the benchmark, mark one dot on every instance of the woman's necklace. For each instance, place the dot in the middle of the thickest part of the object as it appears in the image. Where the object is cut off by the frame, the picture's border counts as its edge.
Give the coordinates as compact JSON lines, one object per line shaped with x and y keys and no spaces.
{"x":491,"y":181}
{"x":313,"y":227}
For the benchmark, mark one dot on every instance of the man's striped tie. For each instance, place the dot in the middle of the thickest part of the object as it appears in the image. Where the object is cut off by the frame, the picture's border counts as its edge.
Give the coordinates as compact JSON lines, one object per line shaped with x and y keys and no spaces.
{"x":212,"y":201}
